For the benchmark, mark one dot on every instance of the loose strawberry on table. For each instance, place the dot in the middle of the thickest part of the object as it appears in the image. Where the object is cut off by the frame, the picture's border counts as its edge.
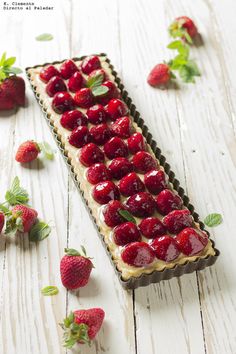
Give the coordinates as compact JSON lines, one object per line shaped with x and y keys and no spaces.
{"x":136,"y":142}
{"x":183,"y":27}
{"x":144,"y":162}
{"x":21,"y":218}
{"x":73,"y":119}
{"x":131,"y":184}
{"x":67,"y":69}
{"x":91,"y":154}
{"x":54,"y":85}
{"x":115,"y":147}
{"x":98,"y":173}
{"x":111,"y":214}
{"x":105,"y":191}
{"x":152,"y":227}
{"x":126,"y":233}
{"x":119,"y":167}
{"x":27,"y":152}
{"x":100,"y":134}
{"x":160,"y":75}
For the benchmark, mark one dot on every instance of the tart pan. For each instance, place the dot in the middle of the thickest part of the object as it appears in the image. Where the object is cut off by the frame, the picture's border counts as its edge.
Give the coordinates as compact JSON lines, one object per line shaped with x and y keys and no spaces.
{"x":155,"y":276}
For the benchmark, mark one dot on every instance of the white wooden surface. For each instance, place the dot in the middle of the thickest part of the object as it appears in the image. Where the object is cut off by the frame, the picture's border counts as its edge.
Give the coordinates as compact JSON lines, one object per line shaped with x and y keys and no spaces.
{"x":195,"y":127}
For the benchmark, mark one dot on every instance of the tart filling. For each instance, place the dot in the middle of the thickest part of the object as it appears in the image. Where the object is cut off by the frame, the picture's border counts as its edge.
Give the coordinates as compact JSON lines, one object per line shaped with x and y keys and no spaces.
{"x":117,"y":170}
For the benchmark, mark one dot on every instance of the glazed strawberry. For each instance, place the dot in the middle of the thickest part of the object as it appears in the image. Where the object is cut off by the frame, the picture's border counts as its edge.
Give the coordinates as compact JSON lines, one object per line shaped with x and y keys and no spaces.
{"x":116,"y":109}
{"x":96,"y":114}
{"x":191,"y":241}
{"x":155,"y":181}
{"x":160,"y":75}
{"x":47,"y":73}
{"x":177,"y":220}
{"x":136,"y":142}
{"x":100,"y":134}
{"x":111,"y":214}
{"x":165,"y":248}
{"x":181,"y":25}
{"x":122,"y":127}
{"x":67,"y":69}
{"x":143,"y":162}
{"x":84,"y":98}
{"x":75,"y":269}
{"x":152,"y":227}
{"x":76,"y":82}
{"x":27,"y":152}
{"x":131,"y":184}
{"x":97,"y":72}
{"x":79,"y":137}
{"x":62,"y":102}
{"x":138,"y":254}
{"x":2,"y":221}
{"x":90,"y":63}
{"x":22,"y":218}
{"x":91,"y":154}
{"x":55,"y":84}
{"x":81,"y":326}
{"x":168,"y":201}
{"x":73,"y":119}
{"x":115,"y":147}
{"x":103,"y":192}
{"x":141,"y":204}
{"x":98,"y":173}
{"x":112,"y":92}
{"x":126,"y":233}
{"x":119,"y":167}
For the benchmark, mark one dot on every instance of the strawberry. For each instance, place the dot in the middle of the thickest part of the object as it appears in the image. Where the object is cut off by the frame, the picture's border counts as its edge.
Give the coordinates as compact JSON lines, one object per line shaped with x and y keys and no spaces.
{"x":144,"y":162}
{"x":116,"y":109}
{"x":91,"y":154}
{"x":119,"y":167}
{"x":75,"y":268}
{"x":81,"y":326}
{"x":165,"y":248}
{"x":55,"y":84}
{"x":191,"y":241}
{"x":63,"y":102}
{"x":160,"y":75}
{"x":47,"y":73}
{"x":21,"y":218}
{"x":73,"y":119}
{"x":90,"y":64}
{"x":122,"y":127}
{"x":131,"y":184}
{"x":96,"y":114}
{"x":100,"y":134}
{"x":68,"y":68}
{"x":27,"y":151}
{"x":138,"y":254}
{"x":105,"y":191}
{"x":115,"y":147}
{"x":76,"y":82}
{"x":79,"y":137}
{"x":98,"y":173}
{"x":184,"y":28}
{"x":112,"y":92}
{"x":136,"y":143}
{"x":152,"y":227}
{"x":111,"y":214}
{"x":155,"y":181}
{"x":2,"y":221}
{"x":126,"y":233}
{"x":167,"y":201}
{"x":84,"y":98}
{"x":177,"y":220}
{"x":141,"y":204}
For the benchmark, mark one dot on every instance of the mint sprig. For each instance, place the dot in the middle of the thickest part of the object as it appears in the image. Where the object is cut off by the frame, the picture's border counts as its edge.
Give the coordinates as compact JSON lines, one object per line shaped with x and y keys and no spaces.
{"x":39,"y":231}
{"x":213,"y":219}
{"x":46,"y":149}
{"x":16,"y":194}
{"x":127,"y":216}
{"x":50,"y":290}
{"x":176,"y":30}
{"x":95,"y":84}
{"x":6,"y":68}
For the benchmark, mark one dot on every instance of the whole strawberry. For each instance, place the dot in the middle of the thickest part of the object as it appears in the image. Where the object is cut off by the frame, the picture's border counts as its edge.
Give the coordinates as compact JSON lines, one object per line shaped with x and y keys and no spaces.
{"x":2,"y":221}
{"x":81,"y":326}
{"x":160,"y":75}
{"x":27,"y":152}
{"x":184,"y":28}
{"x":75,"y":268}
{"x":21,"y":218}
{"x":12,"y":87}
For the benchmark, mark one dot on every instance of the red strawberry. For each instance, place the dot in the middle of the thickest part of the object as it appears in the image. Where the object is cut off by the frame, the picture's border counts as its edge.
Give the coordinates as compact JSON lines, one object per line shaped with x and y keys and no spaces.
{"x":177,"y":220}
{"x":155,"y":181}
{"x":141,"y":204}
{"x":126,"y":233}
{"x":181,"y":25}
{"x":131,"y":184}
{"x":68,"y":68}
{"x":96,"y":114}
{"x":165,"y":248}
{"x":22,"y":218}
{"x":91,"y":154}
{"x":63,"y":102}
{"x":73,"y":119}
{"x":152,"y":227}
{"x":115,"y":147}
{"x":76,"y":82}
{"x":136,"y":143}
{"x":48,"y":72}
{"x":27,"y":151}
{"x":138,"y":254}
{"x":75,"y":269}
{"x":116,"y":108}
{"x":96,"y":73}
{"x":160,"y":75}
{"x":111,"y":214}
{"x":84,"y":98}
{"x":122,"y":127}
{"x":55,"y":84}
{"x":98,"y":173}
{"x":119,"y":167}
{"x":144,"y":162}
{"x":90,"y":64}
{"x":81,"y":326}
{"x":79,"y":137}
{"x":168,"y":201}
{"x":12,"y":93}
{"x":2,"y":221}
{"x":100,"y":134}
{"x":112,"y":92}
{"x":191,"y":241}
{"x":105,"y":191}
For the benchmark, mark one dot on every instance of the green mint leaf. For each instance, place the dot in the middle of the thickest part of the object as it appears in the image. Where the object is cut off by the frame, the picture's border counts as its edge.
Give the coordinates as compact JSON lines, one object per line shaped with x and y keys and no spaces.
{"x":177,"y":62}
{"x":95,"y":80}
{"x":186,"y":74}
{"x":49,"y":290}
{"x":2,"y":75}
{"x":39,"y":231}
{"x":127,"y":216}
{"x":46,"y":150}
{"x":12,"y":70}
{"x":16,"y":194}
{"x":213,"y":220}
{"x":182,"y":48}
{"x":175,"y":45}
{"x":3,"y":58}
{"x":4,"y":209}
{"x":10,"y":61}
{"x":71,"y":252}
{"x":194,"y":68}
{"x":99,"y":90}
{"x":44,"y":37}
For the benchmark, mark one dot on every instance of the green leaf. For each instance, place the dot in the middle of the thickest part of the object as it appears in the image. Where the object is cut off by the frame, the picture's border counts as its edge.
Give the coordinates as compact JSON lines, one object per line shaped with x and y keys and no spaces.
{"x":4,"y":209}
{"x":44,"y":37}
{"x":186,"y":74}
{"x":99,"y":90}
{"x":71,"y":252}
{"x":95,"y":80}
{"x":2,"y":75}
{"x":49,"y":290}
{"x":12,"y":70}
{"x":16,"y":194}
{"x":10,"y":61}
{"x":194,"y":68}
{"x":127,"y":216}
{"x":3,"y":58}
{"x":46,"y":150}
{"x":213,"y":219}
{"x":39,"y":231}
{"x":175,"y":45}
{"x":177,"y":62}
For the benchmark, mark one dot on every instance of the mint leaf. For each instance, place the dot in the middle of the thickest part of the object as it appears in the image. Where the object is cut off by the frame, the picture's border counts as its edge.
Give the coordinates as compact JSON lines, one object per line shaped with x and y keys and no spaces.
{"x":49,"y":290}
{"x":46,"y":150}
{"x":194,"y":68}
{"x":127,"y":216}
{"x":99,"y":90}
{"x":10,"y":61}
{"x":213,"y":219}
{"x":4,"y":209}
{"x":16,"y":194}
{"x":3,"y":58}
{"x":44,"y":37}
{"x":95,"y":80}
{"x":39,"y":231}
{"x":177,"y":62}
{"x":12,"y":70}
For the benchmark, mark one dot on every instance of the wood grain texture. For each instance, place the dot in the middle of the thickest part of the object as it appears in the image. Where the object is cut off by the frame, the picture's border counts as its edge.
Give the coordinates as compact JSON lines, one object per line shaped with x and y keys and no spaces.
{"x":195,"y":127}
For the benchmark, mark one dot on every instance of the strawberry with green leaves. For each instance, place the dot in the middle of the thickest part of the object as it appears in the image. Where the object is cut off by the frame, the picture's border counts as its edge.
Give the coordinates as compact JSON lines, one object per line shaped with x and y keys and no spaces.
{"x":29,"y":151}
{"x":82,"y":326}
{"x":12,"y":87}
{"x":183,"y":27}
{"x":2,"y":221}
{"x":20,"y":218}
{"x":160,"y":75}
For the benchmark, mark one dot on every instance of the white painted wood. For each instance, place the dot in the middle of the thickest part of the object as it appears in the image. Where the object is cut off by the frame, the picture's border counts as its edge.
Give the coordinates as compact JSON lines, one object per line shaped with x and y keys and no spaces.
{"x":194,"y":126}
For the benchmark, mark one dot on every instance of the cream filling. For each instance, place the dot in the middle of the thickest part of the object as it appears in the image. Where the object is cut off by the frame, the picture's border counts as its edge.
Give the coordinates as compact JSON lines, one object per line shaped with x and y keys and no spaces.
{"x":96,"y":209}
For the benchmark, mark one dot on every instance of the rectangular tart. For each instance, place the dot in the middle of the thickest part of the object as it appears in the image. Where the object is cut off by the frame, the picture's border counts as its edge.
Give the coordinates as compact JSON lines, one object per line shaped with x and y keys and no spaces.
{"x":131,"y":276}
